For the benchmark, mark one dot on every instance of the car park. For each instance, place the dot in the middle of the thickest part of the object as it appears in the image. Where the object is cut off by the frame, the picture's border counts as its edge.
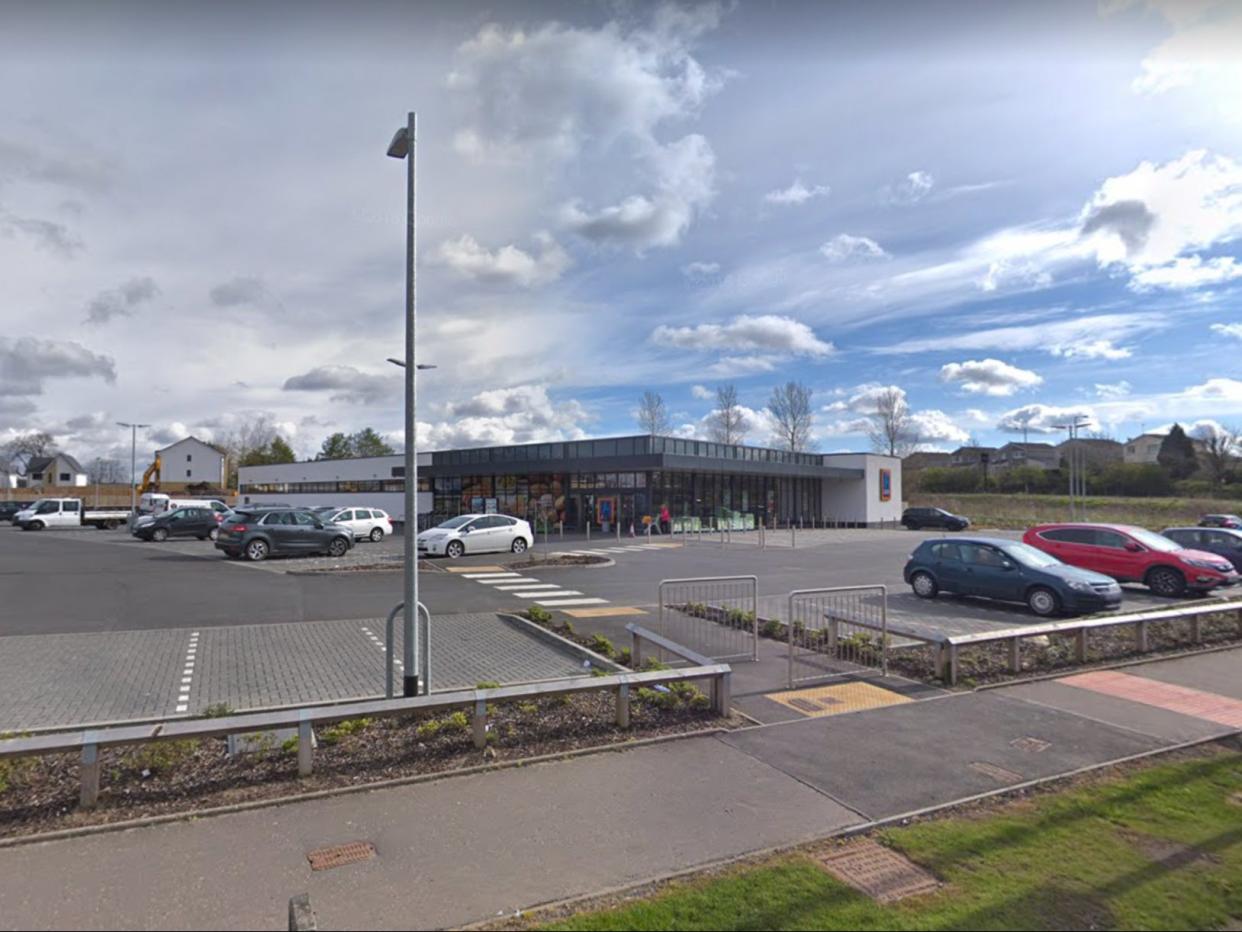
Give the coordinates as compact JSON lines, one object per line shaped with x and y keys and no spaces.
{"x":1009,"y":571}
{"x":180,"y":522}
{"x":1222,"y":541}
{"x":257,"y":533}
{"x":1228,"y":521}
{"x":371,"y":524}
{"x":476,"y":534}
{"x":916,"y":519}
{"x":1134,"y":554}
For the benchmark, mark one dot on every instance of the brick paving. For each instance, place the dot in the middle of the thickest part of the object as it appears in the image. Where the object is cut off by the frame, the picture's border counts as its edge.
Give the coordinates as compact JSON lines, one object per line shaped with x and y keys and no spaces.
{"x":59,"y":680}
{"x":1211,"y":707}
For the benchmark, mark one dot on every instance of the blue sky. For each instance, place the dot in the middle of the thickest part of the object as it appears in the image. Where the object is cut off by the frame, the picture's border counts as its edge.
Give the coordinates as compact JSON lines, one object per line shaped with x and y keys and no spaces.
{"x":1009,"y":211}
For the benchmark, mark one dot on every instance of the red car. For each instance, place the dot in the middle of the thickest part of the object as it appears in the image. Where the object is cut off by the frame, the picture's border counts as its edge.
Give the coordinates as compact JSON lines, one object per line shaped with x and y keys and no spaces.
{"x":1133,"y":554}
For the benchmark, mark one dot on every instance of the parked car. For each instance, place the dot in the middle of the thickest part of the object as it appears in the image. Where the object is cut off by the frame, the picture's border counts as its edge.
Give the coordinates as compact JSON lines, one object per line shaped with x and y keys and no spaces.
{"x":1229,"y":521}
{"x":917,"y":518}
{"x":257,"y":533}
{"x":9,"y":509}
{"x":1009,"y":571}
{"x":366,"y":523}
{"x":1133,"y":554}
{"x":165,"y":504}
{"x":1222,"y":541}
{"x":181,"y":522}
{"x":476,"y":534}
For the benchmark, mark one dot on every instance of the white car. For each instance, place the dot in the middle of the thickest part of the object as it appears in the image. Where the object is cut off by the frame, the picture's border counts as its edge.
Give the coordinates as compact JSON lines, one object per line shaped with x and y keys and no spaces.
{"x":366,"y":523}
{"x":476,"y":534}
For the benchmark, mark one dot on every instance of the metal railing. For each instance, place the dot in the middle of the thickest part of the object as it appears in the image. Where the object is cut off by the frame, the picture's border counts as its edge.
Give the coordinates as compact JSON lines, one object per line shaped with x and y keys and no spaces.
{"x":89,"y":742}
{"x":715,"y":615}
{"x":424,"y":655}
{"x":839,"y":623}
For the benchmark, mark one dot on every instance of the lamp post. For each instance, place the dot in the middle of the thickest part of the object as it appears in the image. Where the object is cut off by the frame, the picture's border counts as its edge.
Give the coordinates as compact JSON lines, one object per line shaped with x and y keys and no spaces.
{"x":133,"y":463}
{"x":404,"y":146}
{"x":1077,"y":485}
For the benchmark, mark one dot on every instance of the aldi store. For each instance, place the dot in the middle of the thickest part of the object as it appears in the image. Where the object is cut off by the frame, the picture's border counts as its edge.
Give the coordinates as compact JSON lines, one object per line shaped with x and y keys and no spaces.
{"x":626,"y":479}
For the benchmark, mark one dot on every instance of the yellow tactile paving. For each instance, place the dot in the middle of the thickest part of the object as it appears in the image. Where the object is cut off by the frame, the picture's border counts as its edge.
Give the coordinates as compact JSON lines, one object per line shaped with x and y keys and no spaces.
{"x":477,"y":569}
{"x":603,"y":612}
{"x":833,"y":700}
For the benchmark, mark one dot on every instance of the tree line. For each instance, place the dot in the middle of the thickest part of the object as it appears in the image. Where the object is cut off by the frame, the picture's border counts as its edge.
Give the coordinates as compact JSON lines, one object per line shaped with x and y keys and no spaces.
{"x":788,"y":409}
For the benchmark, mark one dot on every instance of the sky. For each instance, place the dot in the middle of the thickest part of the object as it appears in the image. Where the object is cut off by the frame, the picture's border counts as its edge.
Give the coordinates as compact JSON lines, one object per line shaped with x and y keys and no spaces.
{"x":1011,"y":212}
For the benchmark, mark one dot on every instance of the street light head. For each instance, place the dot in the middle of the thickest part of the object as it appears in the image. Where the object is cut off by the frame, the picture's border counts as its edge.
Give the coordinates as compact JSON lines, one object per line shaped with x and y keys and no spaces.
{"x":399,"y":148}
{"x":396,"y":362}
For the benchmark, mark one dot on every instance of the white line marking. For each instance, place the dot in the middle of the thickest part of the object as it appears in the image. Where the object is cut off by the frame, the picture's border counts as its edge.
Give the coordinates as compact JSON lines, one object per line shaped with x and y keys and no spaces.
{"x":487,"y":575}
{"x":508,"y":581}
{"x":544,"y":594}
{"x":183,"y":708}
{"x":522,"y":587}
{"x":560,"y":602}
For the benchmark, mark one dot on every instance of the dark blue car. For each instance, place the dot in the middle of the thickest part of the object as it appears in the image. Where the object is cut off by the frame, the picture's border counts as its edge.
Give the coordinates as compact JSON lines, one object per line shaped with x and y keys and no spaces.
{"x":1011,"y":571}
{"x":1222,"y":541}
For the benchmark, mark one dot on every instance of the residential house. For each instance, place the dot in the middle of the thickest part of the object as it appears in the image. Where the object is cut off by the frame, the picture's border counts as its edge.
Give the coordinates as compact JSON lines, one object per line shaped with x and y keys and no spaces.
{"x":1038,"y":455}
{"x":58,"y":469}
{"x":972,"y":456}
{"x":1145,"y":448}
{"x":1093,"y":451}
{"x":925,"y":460}
{"x":192,"y":462}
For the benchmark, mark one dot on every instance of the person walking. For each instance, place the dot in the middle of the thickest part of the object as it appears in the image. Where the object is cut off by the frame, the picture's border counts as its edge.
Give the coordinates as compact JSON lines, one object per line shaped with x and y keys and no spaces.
{"x":666,"y":520}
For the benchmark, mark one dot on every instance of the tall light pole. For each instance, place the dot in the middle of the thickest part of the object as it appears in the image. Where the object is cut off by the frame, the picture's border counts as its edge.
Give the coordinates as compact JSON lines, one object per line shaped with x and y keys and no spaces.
{"x":1077,"y":483}
{"x":404,"y":145}
{"x":133,"y":463}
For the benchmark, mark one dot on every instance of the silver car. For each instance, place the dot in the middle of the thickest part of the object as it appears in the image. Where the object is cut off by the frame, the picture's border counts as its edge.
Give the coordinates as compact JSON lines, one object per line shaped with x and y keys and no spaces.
{"x":476,"y":534}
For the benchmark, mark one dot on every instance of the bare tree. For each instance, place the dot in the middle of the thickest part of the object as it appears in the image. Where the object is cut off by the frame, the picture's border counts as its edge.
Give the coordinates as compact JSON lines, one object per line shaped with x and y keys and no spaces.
{"x":242,"y":444}
{"x":892,"y":428}
{"x":652,"y":415}
{"x":106,"y":471}
{"x":25,"y":446}
{"x":725,"y":425}
{"x":1219,"y":450}
{"x":790,"y":407}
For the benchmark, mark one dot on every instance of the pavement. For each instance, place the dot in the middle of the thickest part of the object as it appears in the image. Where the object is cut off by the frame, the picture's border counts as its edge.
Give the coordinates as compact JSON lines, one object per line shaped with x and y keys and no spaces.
{"x":467,"y":848}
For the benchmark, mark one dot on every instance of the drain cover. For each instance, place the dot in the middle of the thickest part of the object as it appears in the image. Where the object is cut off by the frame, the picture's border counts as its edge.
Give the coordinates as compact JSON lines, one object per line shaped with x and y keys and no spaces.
{"x":881,"y":873}
{"x":1033,"y":745}
{"x":322,"y":859}
{"x":999,"y":774}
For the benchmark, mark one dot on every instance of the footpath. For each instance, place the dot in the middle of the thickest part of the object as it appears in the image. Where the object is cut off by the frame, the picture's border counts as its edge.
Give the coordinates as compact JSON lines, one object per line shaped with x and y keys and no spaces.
{"x":468,"y":848}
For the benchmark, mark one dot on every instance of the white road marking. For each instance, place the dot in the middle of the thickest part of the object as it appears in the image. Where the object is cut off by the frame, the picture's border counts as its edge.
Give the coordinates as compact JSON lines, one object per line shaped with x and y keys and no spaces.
{"x":519,"y":587}
{"x":563,"y":602}
{"x":486,"y":575}
{"x":544,"y":594}
{"x":396,"y":661}
{"x":512,"y":580}
{"x":187,"y":674}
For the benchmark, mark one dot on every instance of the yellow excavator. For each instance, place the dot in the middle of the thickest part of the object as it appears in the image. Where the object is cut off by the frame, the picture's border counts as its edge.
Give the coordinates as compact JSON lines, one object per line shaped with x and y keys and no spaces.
{"x":151,"y":478}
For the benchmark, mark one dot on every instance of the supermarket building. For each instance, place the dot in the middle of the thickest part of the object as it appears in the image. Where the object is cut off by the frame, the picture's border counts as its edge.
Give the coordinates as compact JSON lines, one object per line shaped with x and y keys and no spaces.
{"x":602,"y":481}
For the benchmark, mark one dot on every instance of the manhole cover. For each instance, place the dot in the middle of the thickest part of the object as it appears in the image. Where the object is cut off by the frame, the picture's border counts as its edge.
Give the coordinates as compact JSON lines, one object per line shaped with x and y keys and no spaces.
{"x":322,"y":859}
{"x":999,"y":774}
{"x":1033,"y":745}
{"x":881,"y":873}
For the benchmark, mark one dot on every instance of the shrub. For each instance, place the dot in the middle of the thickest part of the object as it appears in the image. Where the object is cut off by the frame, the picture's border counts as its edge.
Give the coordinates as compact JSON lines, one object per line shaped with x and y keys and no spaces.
{"x":428,"y":729}
{"x":162,"y":756}
{"x":458,"y":721}
{"x":351,"y":726}
{"x":528,"y":708}
{"x":567,"y":629}
{"x":623,"y":656}
{"x":487,"y":684}
{"x":652,"y":664}
{"x":217,"y":710}
{"x":539,"y":615}
{"x":772,"y":629}
{"x":601,"y":645}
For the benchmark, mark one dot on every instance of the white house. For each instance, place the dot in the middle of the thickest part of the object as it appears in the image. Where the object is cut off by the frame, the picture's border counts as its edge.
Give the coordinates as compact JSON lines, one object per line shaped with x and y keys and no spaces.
{"x":192,"y":461}
{"x":58,"y":469}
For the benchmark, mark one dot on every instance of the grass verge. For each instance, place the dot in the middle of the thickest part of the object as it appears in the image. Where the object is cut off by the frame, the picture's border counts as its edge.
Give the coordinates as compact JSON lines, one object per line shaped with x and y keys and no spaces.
{"x":1157,"y":848}
{"x":1019,"y":511}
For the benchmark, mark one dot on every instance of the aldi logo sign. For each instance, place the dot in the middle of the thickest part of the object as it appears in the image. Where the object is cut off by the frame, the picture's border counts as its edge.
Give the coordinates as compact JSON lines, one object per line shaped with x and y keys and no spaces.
{"x":886,"y":485}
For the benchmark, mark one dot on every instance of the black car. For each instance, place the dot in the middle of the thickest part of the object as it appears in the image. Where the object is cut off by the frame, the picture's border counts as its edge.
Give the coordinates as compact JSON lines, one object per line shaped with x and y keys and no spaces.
{"x":257,"y":533}
{"x":1008,"y":570}
{"x":917,"y":518}
{"x":1222,"y":541}
{"x":1229,"y":521}
{"x":181,"y":522}
{"x":9,"y":508}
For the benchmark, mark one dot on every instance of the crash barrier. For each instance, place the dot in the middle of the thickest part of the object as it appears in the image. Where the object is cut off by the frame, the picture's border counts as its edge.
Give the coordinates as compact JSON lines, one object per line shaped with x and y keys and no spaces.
{"x":88,"y":743}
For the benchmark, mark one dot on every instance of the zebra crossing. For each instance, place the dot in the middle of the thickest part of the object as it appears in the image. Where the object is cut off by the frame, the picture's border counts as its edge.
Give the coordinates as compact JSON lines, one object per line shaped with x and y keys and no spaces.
{"x":547,"y":595}
{"x":623,"y":548}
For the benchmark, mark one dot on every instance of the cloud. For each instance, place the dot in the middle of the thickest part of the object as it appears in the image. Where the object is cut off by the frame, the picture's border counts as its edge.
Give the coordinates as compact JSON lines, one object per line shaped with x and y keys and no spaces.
{"x":1228,"y":391}
{"x":933,"y":426}
{"x":597,"y":90}
{"x":989,"y":377}
{"x":685,"y":178}
{"x":796,"y":194}
{"x":702,"y":392}
{"x":1042,"y":419}
{"x":916,"y":186}
{"x":168,"y":435}
{"x":1112,"y":391}
{"x":347,"y":384}
{"x":121,"y":301}
{"x":1228,"y":330}
{"x":700,"y":271}
{"x":521,"y":414}
{"x":508,"y":265}
{"x":1189,"y":272}
{"x":928,"y":426}
{"x":47,"y":234}
{"x":240,"y":290}
{"x":768,"y":333}
{"x":20,"y":161}
{"x":1092,"y":337}
{"x":843,"y":247}
{"x":26,"y":363}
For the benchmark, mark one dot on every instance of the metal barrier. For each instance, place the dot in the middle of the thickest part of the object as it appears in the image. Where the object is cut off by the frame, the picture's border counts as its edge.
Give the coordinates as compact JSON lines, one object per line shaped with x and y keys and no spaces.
{"x":424,"y":655}
{"x":841,"y":623}
{"x":715,"y":615}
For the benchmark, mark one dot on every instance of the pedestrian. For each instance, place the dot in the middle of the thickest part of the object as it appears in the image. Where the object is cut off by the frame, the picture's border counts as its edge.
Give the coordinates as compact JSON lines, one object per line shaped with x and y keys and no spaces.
{"x":666,"y":520}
